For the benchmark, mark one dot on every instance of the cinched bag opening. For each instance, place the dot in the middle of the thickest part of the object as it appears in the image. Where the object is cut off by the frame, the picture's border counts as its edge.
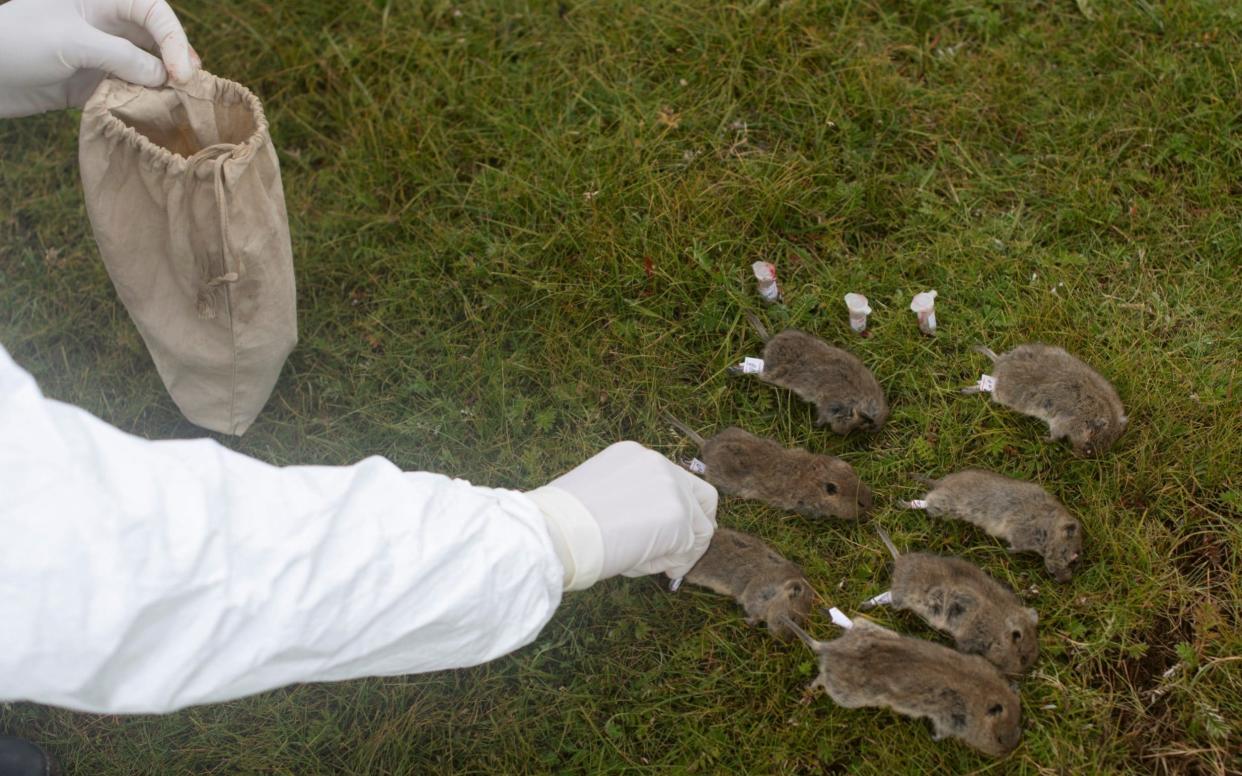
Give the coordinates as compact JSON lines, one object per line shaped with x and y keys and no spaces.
{"x":184,"y":195}
{"x":161,"y":116}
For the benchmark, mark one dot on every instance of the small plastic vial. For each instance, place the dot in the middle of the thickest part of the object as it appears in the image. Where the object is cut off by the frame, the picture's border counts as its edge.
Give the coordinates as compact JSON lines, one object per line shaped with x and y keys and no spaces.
{"x":924,"y":305}
{"x":765,"y":273}
{"x":859,"y":310}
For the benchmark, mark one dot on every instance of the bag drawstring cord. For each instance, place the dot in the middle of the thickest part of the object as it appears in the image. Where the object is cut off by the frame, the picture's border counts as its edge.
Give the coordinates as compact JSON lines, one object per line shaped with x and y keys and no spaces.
{"x":206,"y":295}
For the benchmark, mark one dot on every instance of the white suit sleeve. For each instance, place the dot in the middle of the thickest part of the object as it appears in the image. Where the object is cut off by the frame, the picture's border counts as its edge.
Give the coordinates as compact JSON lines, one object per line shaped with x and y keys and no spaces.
{"x":140,"y":576}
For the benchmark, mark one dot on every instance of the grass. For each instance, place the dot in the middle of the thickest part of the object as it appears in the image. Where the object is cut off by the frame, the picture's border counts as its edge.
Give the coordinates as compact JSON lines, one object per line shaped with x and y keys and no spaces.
{"x":523,"y":229}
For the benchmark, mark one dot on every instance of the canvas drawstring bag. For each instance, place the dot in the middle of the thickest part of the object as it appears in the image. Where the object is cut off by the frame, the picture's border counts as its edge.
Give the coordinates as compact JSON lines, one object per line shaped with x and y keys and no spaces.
{"x":183,"y":192}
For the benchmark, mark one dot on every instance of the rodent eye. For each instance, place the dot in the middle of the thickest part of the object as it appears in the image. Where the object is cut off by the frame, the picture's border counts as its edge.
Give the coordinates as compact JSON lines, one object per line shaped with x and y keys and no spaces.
{"x":996,"y":710}
{"x":1016,"y":635}
{"x":830,"y":488}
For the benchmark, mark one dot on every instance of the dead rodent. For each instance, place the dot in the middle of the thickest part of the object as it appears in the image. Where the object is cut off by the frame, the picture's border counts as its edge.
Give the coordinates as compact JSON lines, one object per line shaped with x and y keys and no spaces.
{"x":846,"y":394}
{"x":983,"y":616}
{"x":742,"y":464}
{"x":768,"y":586}
{"x":1022,"y":513}
{"x":1072,"y":398}
{"x":963,"y":696}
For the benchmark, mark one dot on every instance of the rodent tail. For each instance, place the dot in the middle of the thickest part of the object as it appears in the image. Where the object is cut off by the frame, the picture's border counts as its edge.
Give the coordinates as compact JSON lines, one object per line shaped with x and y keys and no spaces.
{"x":758,"y":326}
{"x":987,"y":352}
{"x":797,"y":629}
{"x":688,"y":432}
{"x":888,"y":542}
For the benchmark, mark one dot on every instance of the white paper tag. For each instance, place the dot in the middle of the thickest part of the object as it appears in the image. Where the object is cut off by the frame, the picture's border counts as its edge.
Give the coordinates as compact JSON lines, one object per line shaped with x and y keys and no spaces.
{"x":770,"y":291}
{"x":883,"y":599}
{"x":839,"y":618}
{"x":751,"y":366}
{"x":986,"y":383}
{"x":697,"y":466}
{"x":918,"y":503}
{"x":675,"y":584}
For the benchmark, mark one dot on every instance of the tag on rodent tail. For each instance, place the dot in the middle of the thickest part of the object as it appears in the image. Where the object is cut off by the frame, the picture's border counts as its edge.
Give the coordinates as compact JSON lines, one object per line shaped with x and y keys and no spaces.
{"x":986,"y":384}
{"x":839,"y":618}
{"x":917,"y":503}
{"x":883,"y":599}
{"x":696,"y":466}
{"x":675,"y":584}
{"x":750,"y":366}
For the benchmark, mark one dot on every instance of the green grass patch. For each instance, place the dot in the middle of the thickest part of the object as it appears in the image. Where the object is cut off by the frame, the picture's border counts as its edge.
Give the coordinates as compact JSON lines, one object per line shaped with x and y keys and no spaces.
{"x":475,"y":192}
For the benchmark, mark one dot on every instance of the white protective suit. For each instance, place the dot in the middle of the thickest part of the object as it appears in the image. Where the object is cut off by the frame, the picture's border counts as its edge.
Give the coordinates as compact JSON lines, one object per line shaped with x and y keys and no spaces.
{"x":141,"y":576}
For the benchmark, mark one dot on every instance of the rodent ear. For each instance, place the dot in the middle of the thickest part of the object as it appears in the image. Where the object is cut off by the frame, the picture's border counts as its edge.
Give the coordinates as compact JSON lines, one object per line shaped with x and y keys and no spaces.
{"x":1034,"y":615}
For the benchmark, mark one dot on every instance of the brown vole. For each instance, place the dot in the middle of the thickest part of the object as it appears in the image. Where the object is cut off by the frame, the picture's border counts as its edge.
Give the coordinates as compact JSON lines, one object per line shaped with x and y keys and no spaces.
{"x":1050,"y":384}
{"x":1022,"y":513}
{"x":983,"y":616}
{"x":742,"y":464}
{"x":768,"y":586}
{"x":964,"y":696}
{"x":844,"y":391}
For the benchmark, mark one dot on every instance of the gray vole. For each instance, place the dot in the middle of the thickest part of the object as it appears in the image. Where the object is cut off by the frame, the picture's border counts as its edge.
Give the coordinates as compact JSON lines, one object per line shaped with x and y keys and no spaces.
{"x":964,"y":696}
{"x":844,"y":391}
{"x":768,"y":586}
{"x":1022,"y":513}
{"x":1054,"y":386}
{"x":742,"y":464}
{"x":983,"y":616}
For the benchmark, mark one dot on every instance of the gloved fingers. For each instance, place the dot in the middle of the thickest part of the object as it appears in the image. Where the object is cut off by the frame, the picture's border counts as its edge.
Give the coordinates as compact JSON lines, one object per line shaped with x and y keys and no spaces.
{"x":702,"y":524}
{"x":653,"y":516}
{"x":143,"y":40}
{"x":162,"y":24}
{"x":128,"y":30}
{"x":704,"y":492}
{"x":695,"y":526}
{"x":95,"y":49}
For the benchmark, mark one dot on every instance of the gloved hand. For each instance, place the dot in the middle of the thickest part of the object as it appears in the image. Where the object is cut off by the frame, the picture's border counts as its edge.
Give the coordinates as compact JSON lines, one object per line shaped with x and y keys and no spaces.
{"x":628,"y":510}
{"x":53,"y":53}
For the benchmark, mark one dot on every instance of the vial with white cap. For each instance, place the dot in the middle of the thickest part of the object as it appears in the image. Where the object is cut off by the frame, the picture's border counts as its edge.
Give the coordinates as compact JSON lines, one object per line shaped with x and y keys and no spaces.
{"x":859,"y":310}
{"x":924,"y":304}
{"x":765,"y":273}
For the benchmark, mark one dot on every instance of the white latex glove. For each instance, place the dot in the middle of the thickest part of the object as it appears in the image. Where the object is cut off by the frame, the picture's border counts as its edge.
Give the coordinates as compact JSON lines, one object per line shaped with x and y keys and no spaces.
{"x":53,"y":53}
{"x":628,"y":510}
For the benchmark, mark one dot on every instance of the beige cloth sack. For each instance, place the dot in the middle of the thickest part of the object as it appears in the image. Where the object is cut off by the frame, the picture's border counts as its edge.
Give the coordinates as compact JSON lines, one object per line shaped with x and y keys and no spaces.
{"x":183,"y":191}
